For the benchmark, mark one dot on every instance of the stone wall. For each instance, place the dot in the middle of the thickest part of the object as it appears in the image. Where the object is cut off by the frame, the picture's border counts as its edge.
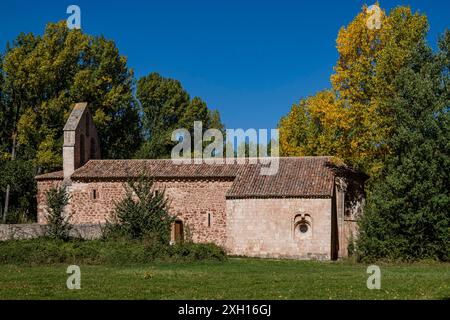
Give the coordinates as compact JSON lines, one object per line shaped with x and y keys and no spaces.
{"x":248,"y":227}
{"x":42,"y":187}
{"x":190,"y":200}
{"x":30,"y":231}
{"x":268,"y":228}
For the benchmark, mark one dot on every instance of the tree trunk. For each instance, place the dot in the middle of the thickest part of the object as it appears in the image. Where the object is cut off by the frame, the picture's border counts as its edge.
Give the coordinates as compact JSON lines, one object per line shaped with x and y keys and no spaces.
{"x":8,"y":187}
{"x":5,"y":211}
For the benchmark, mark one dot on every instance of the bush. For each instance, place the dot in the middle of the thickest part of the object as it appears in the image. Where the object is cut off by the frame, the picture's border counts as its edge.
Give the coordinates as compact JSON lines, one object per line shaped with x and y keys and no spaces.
{"x":118,"y":251}
{"x":58,"y":223}
{"x":142,"y":213}
{"x":18,"y":216}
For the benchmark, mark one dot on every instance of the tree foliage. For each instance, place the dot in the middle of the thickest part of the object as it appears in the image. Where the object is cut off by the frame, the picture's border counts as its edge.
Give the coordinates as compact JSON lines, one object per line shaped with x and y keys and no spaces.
{"x":166,"y":106}
{"x":314,"y":126}
{"x":408,"y":212}
{"x":45,"y":76}
{"x":3,"y":117}
{"x":352,"y":121}
{"x":41,"y":77}
{"x":58,"y":222}
{"x":142,"y":213}
{"x":19,"y":175}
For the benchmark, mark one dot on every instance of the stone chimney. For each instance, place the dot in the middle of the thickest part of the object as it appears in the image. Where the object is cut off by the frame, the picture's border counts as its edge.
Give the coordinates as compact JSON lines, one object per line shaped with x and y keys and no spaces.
{"x":81,"y":141}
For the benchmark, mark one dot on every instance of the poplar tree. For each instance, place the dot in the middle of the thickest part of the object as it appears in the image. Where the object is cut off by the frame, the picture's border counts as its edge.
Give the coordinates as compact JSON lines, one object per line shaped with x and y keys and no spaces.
{"x":167,"y":106}
{"x":352,"y":120}
{"x":41,"y":78}
{"x":45,"y":76}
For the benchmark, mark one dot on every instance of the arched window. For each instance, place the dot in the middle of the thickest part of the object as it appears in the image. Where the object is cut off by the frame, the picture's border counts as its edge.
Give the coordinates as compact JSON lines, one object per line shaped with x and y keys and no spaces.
{"x":82,"y":151}
{"x":93,"y":149}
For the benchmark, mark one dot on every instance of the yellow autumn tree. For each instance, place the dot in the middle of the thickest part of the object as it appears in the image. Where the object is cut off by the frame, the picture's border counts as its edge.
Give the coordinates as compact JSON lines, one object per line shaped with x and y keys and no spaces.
{"x":351,"y":121}
{"x":313,"y":127}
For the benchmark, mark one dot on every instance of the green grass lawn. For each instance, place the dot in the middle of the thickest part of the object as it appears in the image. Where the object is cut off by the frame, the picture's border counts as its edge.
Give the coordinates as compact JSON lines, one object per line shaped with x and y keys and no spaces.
{"x":234,"y":279}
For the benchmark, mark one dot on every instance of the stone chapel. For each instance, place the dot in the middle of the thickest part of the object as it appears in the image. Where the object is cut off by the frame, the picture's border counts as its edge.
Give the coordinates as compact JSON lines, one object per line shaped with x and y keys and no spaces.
{"x":308,"y":210}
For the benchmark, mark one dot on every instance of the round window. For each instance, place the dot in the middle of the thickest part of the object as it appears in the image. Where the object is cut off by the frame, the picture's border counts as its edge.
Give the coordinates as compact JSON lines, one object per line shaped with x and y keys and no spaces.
{"x":303,"y":228}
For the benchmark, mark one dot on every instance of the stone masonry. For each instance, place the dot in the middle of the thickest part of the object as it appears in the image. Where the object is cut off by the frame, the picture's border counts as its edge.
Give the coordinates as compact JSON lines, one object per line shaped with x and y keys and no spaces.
{"x":190,"y":201}
{"x":267,"y":228}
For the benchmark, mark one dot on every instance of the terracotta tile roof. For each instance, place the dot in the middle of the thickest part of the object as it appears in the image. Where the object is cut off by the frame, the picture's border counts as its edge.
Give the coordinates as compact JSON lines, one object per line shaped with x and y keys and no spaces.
{"x":297,"y":176}
{"x":57,"y":175}
{"x":309,"y":177}
{"x":162,"y":168}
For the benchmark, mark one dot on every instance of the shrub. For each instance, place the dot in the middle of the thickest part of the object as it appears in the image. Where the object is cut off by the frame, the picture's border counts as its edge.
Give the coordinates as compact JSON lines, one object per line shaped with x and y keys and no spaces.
{"x":18,"y":216}
{"x":142,"y":213}
{"x":117,"y":252}
{"x":58,"y":223}
{"x":198,"y":251}
{"x":351,"y":246}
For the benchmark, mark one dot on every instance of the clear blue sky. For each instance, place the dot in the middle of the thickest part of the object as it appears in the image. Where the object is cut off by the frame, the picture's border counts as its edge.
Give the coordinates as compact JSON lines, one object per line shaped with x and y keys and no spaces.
{"x":251,"y":60}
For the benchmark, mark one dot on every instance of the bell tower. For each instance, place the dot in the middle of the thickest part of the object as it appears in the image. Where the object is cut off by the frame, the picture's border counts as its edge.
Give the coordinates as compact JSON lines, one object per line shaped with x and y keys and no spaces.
{"x":81,"y":141}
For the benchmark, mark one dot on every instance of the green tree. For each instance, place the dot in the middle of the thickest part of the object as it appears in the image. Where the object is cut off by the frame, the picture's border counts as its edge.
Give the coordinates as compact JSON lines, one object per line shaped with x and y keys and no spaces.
{"x":407,"y":215}
{"x":18,"y":175}
{"x":215,"y":121}
{"x":144,"y":212}
{"x":166,"y":106}
{"x":3,"y":120}
{"x":46,"y":75}
{"x":163,"y":102}
{"x":195,"y":111}
{"x":43,"y":76}
{"x":58,"y":222}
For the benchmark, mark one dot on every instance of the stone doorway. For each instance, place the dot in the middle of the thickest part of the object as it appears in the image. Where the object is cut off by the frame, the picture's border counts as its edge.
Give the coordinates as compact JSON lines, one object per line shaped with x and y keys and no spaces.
{"x":178,"y":231}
